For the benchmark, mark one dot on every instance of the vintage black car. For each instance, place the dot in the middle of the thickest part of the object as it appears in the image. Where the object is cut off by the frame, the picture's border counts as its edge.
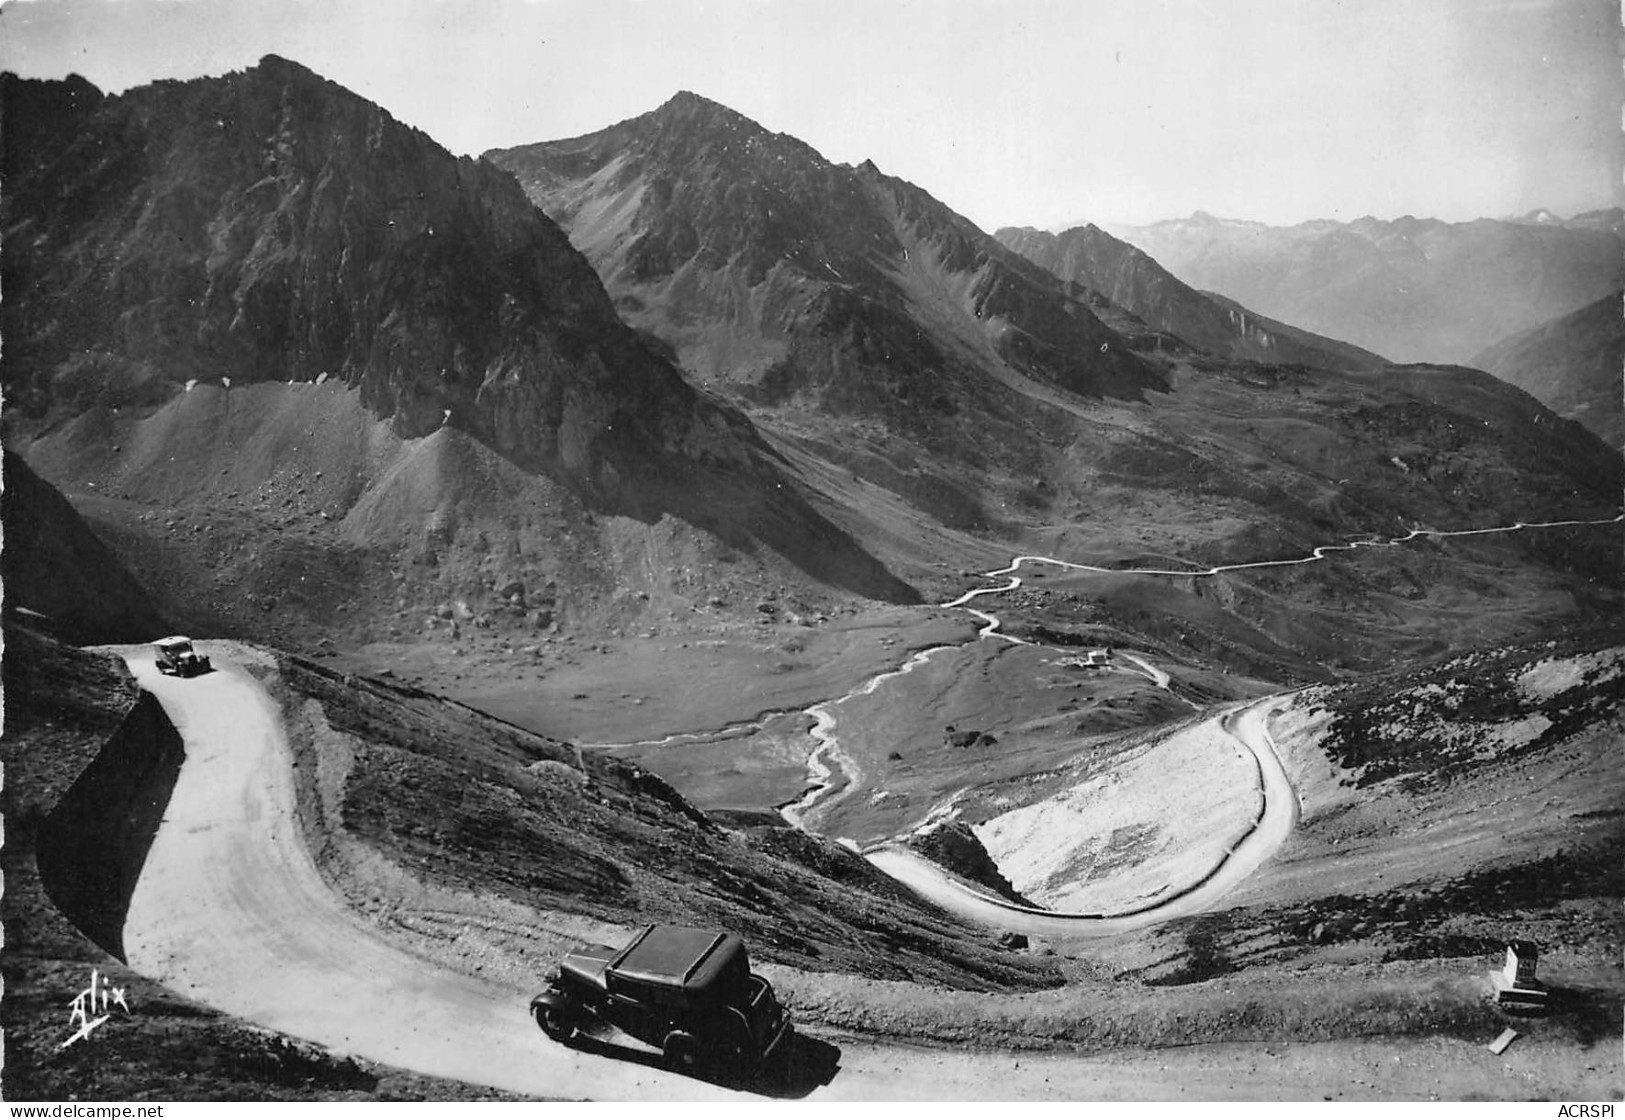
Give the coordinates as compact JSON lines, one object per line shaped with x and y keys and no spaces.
{"x":176,"y":657}
{"x":689,"y":992}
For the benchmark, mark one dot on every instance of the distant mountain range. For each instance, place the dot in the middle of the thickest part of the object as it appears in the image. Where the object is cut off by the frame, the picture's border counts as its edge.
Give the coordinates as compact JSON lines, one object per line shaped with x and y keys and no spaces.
{"x":1611,"y":220}
{"x":1574,"y":364}
{"x":1413,"y":289}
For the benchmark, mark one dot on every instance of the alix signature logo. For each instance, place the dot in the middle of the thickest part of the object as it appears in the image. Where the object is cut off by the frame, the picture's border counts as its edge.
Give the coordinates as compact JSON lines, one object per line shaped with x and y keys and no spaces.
{"x":93,"y":1007}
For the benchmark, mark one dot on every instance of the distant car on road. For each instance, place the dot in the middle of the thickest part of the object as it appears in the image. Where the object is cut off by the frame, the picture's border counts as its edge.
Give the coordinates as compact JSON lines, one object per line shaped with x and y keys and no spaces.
{"x":689,"y":992}
{"x":177,"y":658}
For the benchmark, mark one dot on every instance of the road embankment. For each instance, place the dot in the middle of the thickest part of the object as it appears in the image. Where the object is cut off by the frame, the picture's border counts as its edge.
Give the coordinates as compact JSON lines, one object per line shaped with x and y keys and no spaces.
{"x":91,"y":847}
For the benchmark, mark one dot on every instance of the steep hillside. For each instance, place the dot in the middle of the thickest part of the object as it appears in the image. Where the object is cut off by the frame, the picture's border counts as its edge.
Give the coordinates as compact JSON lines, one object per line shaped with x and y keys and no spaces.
{"x":1092,"y":257}
{"x":1573,"y":364}
{"x":292,"y":514}
{"x":271,"y":226}
{"x":481,"y":808}
{"x":1415,"y":289}
{"x":56,"y":570}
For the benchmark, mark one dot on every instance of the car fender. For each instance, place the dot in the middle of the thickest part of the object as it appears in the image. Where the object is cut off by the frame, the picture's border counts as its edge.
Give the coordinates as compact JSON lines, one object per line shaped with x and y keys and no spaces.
{"x":552,"y":998}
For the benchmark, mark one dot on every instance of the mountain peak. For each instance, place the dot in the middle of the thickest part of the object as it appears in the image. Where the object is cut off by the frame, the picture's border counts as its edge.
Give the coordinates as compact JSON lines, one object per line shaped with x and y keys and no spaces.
{"x":285,"y":69}
{"x":687,"y":97}
{"x":686,"y":105}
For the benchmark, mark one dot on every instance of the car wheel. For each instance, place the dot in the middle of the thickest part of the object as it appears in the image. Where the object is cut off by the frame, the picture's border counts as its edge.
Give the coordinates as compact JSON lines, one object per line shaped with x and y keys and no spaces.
{"x":683,"y":1051}
{"x":556,"y":1022}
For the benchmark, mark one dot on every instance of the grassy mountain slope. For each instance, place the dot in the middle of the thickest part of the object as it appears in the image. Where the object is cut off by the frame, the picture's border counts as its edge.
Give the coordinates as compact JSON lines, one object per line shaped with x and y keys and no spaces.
{"x":1573,"y":364}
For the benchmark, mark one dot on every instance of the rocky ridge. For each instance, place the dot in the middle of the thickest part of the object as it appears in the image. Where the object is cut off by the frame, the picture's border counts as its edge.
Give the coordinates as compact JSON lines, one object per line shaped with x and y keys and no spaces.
{"x":1090,"y":256}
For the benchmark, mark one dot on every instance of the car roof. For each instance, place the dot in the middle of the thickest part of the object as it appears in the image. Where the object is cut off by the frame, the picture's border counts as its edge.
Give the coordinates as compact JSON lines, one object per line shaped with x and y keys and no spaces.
{"x":678,"y":955}
{"x":176,"y":640}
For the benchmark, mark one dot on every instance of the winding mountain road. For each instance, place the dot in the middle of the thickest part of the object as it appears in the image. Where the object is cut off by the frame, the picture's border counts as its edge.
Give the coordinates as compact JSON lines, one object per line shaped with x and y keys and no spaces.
{"x":1276,"y":818}
{"x":231,"y":910}
{"x":1315,"y":555}
{"x":830,"y":784}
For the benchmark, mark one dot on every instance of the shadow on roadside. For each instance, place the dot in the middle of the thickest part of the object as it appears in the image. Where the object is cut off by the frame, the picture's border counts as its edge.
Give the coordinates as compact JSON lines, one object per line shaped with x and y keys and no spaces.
{"x":91,"y":846}
{"x":801,"y":1065}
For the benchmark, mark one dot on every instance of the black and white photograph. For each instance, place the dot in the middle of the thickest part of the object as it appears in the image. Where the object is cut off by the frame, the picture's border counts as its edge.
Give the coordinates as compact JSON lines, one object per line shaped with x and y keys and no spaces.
{"x":812,"y":551}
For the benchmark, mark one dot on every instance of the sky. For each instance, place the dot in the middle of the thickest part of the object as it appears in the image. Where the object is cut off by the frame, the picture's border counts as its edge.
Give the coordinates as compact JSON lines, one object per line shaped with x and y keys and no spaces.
{"x":1013,"y":112}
